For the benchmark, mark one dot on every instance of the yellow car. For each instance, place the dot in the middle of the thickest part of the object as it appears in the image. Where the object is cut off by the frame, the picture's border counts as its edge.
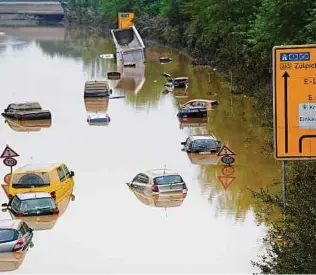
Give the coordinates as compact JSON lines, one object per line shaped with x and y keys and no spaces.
{"x":54,"y":178}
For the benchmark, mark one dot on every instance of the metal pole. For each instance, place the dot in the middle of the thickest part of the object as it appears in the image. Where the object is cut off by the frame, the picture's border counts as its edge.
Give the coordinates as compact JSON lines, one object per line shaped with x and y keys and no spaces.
{"x":283,"y":184}
{"x":231,"y":81}
{"x":11,"y":170}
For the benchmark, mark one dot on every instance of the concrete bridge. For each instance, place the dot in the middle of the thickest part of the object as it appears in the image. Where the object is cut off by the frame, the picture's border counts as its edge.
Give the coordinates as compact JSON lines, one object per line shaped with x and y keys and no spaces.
{"x":39,"y":8}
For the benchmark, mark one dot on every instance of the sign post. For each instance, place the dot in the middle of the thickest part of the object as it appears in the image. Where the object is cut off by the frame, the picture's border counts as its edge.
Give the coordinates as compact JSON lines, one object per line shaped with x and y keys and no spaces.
{"x":294,"y":104}
{"x":9,"y":155}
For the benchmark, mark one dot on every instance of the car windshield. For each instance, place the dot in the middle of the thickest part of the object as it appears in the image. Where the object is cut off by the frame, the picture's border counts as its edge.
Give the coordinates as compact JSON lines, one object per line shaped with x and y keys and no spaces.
{"x":204,"y":143}
{"x":35,"y":205}
{"x":30,"y":180}
{"x":172,"y":179}
{"x":7,"y":235}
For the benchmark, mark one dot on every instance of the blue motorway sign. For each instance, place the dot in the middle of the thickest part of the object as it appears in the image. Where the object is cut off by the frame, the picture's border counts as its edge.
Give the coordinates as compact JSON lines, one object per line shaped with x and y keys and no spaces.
{"x":304,"y":56}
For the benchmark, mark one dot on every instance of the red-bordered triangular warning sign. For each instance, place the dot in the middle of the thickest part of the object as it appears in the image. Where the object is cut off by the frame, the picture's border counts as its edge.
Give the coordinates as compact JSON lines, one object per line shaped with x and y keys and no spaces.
{"x":9,"y":153}
{"x":226,"y":181}
{"x":225,"y":151}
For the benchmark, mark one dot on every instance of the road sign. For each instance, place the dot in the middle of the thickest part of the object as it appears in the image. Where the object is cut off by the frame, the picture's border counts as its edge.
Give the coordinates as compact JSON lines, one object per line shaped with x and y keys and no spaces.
{"x":227,"y":159}
{"x":225,"y":151}
{"x":294,"y":83}
{"x":8,"y":153}
{"x":125,"y":19}
{"x":7,"y":178}
{"x":228,"y":170}
{"x":10,"y":162}
{"x":226,"y":181}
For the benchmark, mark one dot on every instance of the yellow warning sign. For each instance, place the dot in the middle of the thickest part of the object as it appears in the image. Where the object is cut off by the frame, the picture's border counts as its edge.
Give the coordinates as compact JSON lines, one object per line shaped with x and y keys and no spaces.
{"x":294,"y":81}
{"x":125,"y":19}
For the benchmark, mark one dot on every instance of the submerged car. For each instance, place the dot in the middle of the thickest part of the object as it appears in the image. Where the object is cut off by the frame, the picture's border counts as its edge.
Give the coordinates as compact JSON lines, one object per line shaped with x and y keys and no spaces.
{"x":173,"y":199}
{"x":185,"y":112}
{"x":44,"y":220}
{"x":32,"y":204}
{"x":201,"y":144}
{"x":97,"y":89}
{"x":26,"y":111}
{"x":15,"y":235}
{"x":98,"y":119}
{"x":54,"y":178}
{"x":208,"y":104}
{"x":159,"y":181}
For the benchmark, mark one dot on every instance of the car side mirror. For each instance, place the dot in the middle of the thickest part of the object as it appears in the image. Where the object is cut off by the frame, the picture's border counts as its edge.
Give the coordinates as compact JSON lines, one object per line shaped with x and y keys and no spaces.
{"x":4,"y":209}
{"x":4,"y":205}
{"x":183,"y":143}
{"x":72,"y":174}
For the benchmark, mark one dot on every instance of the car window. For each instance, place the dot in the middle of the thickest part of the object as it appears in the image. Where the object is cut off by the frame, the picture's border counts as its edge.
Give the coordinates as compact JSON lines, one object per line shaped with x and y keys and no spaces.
{"x":30,"y":180}
{"x":7,"y":235}
{"x":61,"y":173}
{"x":172,"y":179}
{"x":66,"y":171}
{"x":15,"y":204}
{"x":204,"y":143}
{"x":142,"y":178}
{"x":34,"y":205}
{"x":23,"y":229}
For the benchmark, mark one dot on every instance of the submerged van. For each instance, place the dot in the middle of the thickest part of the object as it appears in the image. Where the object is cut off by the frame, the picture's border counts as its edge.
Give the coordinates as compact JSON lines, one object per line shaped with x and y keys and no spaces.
{"x":54,"y":178}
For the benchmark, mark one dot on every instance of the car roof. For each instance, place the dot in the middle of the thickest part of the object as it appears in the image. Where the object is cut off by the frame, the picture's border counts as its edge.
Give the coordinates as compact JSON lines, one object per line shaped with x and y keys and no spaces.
{"x":195,"y":137}
{"x":10,"y":224}
{"x":203,"y":100}
{"x":38,"y":167}
{"x":160,"y":172}
{"x":33,"y":195}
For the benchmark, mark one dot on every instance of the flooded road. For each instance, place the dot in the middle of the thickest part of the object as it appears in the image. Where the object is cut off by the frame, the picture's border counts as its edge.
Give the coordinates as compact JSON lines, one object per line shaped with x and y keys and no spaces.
{"x":109,"y":228}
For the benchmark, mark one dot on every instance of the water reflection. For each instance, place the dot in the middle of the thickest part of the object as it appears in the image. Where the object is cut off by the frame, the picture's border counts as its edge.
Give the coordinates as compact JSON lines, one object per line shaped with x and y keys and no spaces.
{"x":174,"y":199}
{"x":11,"y":261}
{"x":193,"y":122}
{"x":132,"y":79}
{"x":28,"y":125}
{"x":96,"y":104}
{"x":200,"y":159}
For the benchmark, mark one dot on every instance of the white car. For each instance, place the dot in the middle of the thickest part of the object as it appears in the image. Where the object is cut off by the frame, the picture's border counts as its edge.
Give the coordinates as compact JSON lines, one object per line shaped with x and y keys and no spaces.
{"x":159,"y":181}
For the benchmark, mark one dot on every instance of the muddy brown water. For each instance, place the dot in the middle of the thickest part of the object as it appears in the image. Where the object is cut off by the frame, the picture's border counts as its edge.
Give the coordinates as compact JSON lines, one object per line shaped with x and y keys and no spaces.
{"x":108,"y":228}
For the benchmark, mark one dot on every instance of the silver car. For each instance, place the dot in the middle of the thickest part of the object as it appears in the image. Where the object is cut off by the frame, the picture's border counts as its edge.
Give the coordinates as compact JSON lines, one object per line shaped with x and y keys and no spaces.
{"x":15,"y":235}
{"x":159,"y":181}
{"x":201,"y":144}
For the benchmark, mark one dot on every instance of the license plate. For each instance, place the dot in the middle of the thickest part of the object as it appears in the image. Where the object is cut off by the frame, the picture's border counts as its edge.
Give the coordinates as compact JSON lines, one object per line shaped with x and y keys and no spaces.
{"x":205,"y":153}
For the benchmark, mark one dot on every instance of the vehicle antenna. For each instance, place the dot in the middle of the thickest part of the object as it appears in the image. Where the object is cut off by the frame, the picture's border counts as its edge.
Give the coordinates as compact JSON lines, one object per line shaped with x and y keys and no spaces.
{"x":164,"y":170}
{"x":166,"y":212}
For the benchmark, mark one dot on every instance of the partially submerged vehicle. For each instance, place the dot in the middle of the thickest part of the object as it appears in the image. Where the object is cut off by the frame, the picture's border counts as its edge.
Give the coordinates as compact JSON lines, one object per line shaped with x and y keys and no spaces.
{"x":206,"y":144}
{"x":32,"y":204}
{"x":114,"y":75}
{"x":54,"y":178}
{"x":43,"y":221}
{"x":26,"y":111}
{"x":161,"y":181}
{"x":97,"y":88}
{"x":209,"y":104}
{"x":165,"y":59}
{"x":96,"y":104}
{"x":15,"y":235}
{"x":98,"y":119}
{"x":28,"y":125}
{"x":173,"y":199}
{"x":177,"y":82}
{"x":129,"y":45}
{"x":192,"y":112}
